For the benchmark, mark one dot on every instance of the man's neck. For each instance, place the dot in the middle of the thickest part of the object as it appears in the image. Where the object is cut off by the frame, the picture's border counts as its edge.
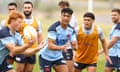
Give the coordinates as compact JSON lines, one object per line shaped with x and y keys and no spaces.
{"x":88,"y":28}
{"x":63,"y":26}
{"x":28,"y":17}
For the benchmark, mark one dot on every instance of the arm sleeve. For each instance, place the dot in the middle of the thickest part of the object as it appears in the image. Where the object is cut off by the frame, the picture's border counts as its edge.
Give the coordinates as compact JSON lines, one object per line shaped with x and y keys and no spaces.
{"x":100,"y":32}
{"x":116,"y":33}
{"x":39,"y":26}
{"x":52,"y":32}
{"x":73,"y":37}
{"x":52,"y":35}
{"x":7,"y":40}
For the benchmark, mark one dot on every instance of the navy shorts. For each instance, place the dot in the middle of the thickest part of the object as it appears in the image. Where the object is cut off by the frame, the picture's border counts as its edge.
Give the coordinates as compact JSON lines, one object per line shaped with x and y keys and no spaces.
{"x":68,"y":55}
{"x":45,"y":65}
{"x":5,"y":66}
{"x":23,"y":59}
{"x":115,"y":61}
{"x":82,"y":65}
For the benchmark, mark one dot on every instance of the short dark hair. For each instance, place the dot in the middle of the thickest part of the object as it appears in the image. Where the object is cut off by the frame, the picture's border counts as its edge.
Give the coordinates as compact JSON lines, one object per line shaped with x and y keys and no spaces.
{"x":66,"y":3}
{"x":89,"y":14}
{"x":67,"y":10}
{"x":28,"y":2}
{"x":12,"y":4}
{"x":116,"y":10}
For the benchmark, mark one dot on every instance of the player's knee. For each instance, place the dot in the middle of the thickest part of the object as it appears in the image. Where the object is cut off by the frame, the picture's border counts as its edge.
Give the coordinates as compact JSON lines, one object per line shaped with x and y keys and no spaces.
{"x":108,"y":69}
{"x":11,"y":70}
{"x":19,"y":70}
{"x":28,"y":70}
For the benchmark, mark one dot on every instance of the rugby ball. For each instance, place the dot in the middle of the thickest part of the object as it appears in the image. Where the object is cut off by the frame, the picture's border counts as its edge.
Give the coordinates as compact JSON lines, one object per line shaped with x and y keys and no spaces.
{"x":29,"y":32}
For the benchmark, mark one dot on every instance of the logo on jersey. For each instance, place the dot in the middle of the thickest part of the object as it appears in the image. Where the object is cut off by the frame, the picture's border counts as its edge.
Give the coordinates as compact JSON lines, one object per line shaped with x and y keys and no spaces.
{"x":68,"y":36}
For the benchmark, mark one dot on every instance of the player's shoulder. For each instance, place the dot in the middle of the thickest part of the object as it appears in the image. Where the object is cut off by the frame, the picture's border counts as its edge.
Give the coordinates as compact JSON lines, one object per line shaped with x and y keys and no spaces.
{"x":71,"y":29}
{"x":96,"y":27}
{"x":70,"y":26}
{"x":54,"y":26}
{"x":117,"y":26}
{"x":4,"y":32}
{"x":99,"y":30}
{"x":35,"y":18}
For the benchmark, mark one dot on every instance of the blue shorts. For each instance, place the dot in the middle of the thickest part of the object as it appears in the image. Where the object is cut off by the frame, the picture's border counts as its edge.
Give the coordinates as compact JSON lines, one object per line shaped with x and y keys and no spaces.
{"x":82,"y":65}
{"x":68,"y":55}
{"x":23,"y":59}
{"x":115,"y":61}
{"x":5,"y":66}
{"x":45,"y":65}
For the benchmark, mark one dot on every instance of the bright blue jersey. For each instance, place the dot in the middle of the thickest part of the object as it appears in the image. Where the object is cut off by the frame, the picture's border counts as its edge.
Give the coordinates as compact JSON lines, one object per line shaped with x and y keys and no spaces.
{"x":5,"y":38}
{"x":61,"y":36}
{"x":115,"y":49}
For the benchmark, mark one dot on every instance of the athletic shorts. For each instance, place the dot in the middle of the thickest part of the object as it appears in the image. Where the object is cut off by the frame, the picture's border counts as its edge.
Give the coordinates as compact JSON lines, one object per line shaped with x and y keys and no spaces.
{"x":45,"y":65}
{"x":23,"y":59}
{"x":115,"y":61}
{"x":68,"y":55}
{"x":4,"y":67}
{"x":82,"y":65}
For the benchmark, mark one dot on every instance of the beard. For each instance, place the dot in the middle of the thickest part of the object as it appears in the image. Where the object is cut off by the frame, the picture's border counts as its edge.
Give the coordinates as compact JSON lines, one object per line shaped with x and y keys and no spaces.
{"x":27,"y":13}
{"x":115,"y":21}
